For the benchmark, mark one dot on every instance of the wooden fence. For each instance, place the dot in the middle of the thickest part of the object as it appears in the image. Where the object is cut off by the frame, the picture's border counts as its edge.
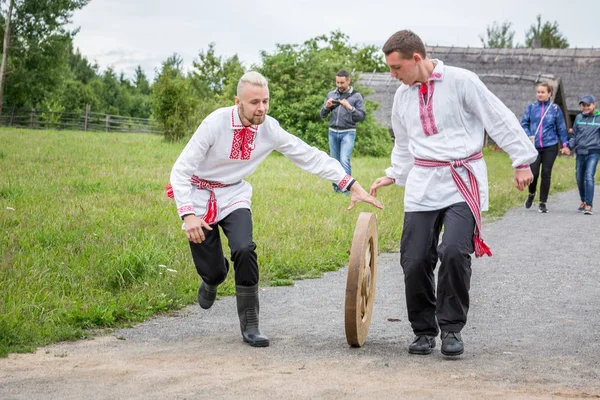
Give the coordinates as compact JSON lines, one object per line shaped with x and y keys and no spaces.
{"x":85,"y":121}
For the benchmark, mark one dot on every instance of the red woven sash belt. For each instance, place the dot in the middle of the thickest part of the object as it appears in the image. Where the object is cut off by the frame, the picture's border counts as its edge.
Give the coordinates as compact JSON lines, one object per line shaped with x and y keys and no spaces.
{"x":470,"y":194}
{"x":202,"y":184}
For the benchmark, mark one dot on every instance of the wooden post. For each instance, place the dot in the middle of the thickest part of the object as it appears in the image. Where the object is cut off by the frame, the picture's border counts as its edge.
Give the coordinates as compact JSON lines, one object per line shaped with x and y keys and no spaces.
{"x":107,"y":122}
{"x":85,"y":118}
{"x":32,"y":118}
{"x":12,"y":116}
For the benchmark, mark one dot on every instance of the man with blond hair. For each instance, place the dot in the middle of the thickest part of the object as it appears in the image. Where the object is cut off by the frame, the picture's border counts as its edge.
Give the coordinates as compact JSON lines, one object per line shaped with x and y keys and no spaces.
{"x":208,"y":187}
{"x":439,"y":116}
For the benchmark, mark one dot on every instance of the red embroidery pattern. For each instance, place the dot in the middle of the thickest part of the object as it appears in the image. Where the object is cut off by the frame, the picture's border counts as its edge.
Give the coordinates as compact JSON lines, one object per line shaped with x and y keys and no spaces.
{"x":184,"y":209}
{"x":243,"y":144}
{"x":524,"y":166}
{"x":426,"y":109}
{"x":345,"y":180}
{"x":243,"y":139}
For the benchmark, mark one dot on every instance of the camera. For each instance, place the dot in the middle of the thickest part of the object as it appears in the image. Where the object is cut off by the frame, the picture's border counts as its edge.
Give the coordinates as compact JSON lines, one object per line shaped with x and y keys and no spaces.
{"x":335,"y":102}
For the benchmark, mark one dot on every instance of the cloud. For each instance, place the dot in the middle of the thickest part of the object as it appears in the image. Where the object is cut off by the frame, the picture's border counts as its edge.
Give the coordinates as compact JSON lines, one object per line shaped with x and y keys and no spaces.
{"x":125,"y":33}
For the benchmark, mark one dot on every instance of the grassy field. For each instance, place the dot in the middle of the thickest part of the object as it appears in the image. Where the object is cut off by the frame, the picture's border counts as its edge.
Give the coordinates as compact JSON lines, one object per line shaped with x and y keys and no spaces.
{"x":89,"y":240}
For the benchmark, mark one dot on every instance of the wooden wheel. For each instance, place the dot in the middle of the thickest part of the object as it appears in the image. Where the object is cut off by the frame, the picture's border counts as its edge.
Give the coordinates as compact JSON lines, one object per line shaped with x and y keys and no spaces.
{"x":362,"y":274}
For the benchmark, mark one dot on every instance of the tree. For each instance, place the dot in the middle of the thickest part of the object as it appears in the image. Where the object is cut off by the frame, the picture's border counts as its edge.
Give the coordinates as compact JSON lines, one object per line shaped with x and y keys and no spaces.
{"x":300,"y":76}
{"x":498,"y":36}
{"x":208,"y":75}
{"x":547,"y":34}
{"x":82,"y":70}
{"x":140,"y":81}
{"x":173,"y":100}
{"x":214,"y":81}
{"x":232,"y":72}
{"x":35,"y":35}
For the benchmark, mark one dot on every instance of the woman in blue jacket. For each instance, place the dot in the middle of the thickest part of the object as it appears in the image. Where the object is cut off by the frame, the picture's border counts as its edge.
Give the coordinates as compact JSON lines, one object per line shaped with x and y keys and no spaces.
{"x":544,"y":123}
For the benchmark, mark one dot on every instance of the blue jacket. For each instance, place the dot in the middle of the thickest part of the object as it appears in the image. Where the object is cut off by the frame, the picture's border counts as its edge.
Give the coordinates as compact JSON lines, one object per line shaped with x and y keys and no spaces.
{"x":586,"y":133}
{"x":553,"y":125}
{"x":342,"y":119}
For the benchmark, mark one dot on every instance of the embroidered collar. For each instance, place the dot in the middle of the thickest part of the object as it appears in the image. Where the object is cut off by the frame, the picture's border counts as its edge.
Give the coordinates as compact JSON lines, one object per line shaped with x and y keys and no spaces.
{"x":236,"y":122}
{"x":436,"y":75}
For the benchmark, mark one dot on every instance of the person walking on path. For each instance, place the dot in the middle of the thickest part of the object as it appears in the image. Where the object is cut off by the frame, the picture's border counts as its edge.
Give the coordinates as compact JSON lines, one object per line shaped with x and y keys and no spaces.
{"x":345,"y":107}
{"x":207,"y":184}
{"x":439,"y":116}
{"x":586,"y":143}
{"x":544,"y":123}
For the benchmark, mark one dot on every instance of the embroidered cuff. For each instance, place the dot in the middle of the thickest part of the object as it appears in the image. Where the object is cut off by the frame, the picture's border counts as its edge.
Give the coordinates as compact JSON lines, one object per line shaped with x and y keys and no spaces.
{"x":565,"y":144}
{"x":345,"y":182}
{"x":522,"y":167}
{"x":185,"y":209}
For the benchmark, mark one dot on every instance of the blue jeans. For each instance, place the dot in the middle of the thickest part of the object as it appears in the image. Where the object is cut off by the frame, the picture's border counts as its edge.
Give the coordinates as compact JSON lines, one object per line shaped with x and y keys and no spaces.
{"x":341,"y":145}
{"x":585,"y":169}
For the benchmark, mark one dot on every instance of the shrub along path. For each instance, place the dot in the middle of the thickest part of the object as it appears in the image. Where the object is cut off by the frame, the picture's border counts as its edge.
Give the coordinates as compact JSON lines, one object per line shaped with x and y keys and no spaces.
{"x":533,"y":332}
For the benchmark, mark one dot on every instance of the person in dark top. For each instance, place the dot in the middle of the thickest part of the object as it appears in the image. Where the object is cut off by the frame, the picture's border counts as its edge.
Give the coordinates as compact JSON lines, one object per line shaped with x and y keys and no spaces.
{"x":586,"y":142}
{"x":345,"y":107}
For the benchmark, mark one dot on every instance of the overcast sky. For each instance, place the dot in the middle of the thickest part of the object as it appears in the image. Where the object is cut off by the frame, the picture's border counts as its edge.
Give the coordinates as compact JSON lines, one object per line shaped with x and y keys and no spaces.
{"x":127,"y":33}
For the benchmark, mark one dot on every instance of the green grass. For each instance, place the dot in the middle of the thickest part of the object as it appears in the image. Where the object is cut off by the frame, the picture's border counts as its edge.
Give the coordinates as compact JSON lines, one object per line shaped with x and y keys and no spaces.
{"x":89,"y":240}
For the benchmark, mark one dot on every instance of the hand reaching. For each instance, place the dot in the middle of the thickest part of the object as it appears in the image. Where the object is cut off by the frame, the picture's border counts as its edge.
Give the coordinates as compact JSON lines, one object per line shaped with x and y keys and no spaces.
{"x":359,"y":194}
{"x":380,"y":182}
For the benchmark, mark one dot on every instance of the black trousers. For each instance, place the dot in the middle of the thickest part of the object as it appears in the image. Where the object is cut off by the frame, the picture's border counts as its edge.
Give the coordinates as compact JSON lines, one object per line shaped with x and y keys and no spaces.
{"x":211,"y":264}
{"x":546,"y":157}
{"x":419,"y":254}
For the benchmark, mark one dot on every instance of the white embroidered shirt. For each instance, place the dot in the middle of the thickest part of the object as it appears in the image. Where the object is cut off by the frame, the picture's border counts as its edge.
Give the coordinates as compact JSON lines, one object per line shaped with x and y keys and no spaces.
{"x":449,"y":126}
{"x":222,"y":150}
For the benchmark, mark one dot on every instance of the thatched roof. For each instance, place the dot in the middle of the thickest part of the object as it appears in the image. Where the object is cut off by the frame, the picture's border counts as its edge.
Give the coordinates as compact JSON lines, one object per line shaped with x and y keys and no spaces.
{"x":511,"y":74}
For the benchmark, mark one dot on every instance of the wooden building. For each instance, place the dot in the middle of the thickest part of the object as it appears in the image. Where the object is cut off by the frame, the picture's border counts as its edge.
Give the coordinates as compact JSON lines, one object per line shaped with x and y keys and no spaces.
{"x":511,"y":74}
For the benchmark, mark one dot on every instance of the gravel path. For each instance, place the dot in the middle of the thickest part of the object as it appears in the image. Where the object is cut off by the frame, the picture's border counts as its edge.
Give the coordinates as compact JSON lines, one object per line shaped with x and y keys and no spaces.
{"x":533,"y":332}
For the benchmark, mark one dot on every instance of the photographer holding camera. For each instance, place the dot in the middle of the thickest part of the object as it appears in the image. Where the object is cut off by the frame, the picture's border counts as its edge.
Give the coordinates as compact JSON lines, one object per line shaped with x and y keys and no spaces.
{"x":345,"y":107}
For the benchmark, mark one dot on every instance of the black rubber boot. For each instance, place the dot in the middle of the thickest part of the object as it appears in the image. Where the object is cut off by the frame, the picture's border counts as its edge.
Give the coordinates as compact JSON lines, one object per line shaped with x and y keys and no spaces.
{"x":207,"y":295}
{"x":248,"y":308}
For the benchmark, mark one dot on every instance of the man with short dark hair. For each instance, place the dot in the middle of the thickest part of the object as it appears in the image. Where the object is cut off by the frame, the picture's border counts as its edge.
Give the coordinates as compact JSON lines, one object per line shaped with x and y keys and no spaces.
{"x":345,"y":107}
{"x":207,"y":182}
{"x":439,"y":116}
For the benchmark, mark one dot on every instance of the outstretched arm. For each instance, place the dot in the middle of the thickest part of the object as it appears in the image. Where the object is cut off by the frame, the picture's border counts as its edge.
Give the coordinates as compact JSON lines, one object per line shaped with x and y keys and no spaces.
{"x":319,"y":163}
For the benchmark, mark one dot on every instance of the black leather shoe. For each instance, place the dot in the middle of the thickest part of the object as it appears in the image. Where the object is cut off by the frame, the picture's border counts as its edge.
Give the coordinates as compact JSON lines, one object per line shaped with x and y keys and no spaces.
{"x":422,"y":345}
{"x":207,"y":295}
{"x":452,"y":344}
